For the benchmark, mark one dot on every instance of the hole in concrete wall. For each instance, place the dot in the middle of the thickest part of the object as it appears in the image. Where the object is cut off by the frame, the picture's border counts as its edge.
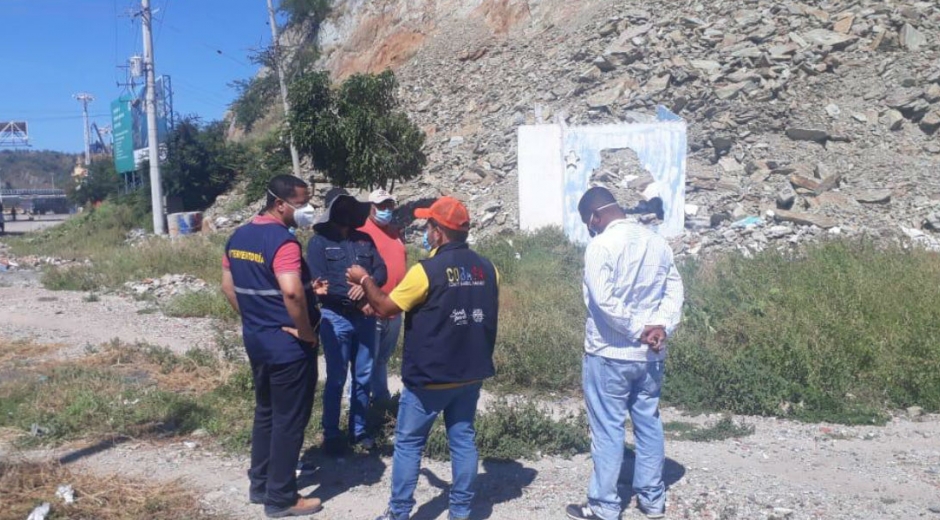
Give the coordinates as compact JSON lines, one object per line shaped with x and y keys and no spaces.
{"x":622,"y":173}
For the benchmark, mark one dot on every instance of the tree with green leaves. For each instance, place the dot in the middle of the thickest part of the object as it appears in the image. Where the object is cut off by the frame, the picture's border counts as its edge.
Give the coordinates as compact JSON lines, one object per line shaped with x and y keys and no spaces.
{"x":257,"y":95}
{"x":199,"y":166}
{"x":300,"y":11}
{"x":356,"y":134}
{"x":101,"y":183}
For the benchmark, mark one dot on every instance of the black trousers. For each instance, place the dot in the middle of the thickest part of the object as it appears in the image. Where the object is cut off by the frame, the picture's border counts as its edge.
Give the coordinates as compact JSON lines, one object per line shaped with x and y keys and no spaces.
{"x":283,"y":404}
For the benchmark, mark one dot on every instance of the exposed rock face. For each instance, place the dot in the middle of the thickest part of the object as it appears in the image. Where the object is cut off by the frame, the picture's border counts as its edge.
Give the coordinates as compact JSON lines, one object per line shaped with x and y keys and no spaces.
{"x":838,"y":99}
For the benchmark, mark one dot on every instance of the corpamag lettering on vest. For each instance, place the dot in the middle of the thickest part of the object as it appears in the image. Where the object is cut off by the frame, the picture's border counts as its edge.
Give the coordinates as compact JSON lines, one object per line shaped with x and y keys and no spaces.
{"x":465,"y":277}
{"x":450,"y":337}
{"x":239,"y":254}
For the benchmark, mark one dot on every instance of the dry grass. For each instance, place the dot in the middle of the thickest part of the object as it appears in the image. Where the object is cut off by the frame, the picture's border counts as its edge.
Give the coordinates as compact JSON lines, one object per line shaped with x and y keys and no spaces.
{"x":198,"y":371}
{"x":116,"y":390}
{"x":26,"y":485}
{"x":22,"y":352}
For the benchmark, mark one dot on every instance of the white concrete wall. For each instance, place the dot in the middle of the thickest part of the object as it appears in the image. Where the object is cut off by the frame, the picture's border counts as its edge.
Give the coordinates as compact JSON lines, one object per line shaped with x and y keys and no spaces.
{"x":556,"y":163}
{"x":541,"y":182}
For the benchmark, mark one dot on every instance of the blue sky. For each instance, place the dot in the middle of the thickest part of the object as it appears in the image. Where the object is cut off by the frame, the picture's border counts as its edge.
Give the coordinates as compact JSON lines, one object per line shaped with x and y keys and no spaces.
{"x":53,"y":49}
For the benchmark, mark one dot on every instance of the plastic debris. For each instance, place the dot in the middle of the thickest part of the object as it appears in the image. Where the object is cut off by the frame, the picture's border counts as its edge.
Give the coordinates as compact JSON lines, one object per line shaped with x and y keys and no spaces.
{"x":66,"y":493}
{"x":748,"y":221}
{"x":40,"y":512}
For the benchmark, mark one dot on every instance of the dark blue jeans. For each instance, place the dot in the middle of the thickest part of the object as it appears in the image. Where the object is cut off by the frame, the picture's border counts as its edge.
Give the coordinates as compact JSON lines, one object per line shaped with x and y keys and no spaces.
{"x":283,"y":403}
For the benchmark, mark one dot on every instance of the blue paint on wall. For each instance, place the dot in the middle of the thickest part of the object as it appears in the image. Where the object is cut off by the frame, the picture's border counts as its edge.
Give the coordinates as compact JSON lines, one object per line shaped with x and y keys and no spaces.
{"x":661,"y":148}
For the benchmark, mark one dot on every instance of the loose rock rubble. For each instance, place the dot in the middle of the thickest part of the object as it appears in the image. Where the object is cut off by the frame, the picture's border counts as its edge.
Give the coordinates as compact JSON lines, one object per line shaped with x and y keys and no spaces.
{"x":166,"y":287}
{"x":827,"y":110}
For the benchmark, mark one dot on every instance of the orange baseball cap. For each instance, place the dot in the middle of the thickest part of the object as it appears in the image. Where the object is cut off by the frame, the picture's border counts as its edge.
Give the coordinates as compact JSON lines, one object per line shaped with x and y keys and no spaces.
{"x":448,"y":212}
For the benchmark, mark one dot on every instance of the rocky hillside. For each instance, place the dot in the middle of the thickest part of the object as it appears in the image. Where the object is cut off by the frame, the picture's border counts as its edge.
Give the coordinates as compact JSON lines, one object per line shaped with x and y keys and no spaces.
{"x":814,"y":117}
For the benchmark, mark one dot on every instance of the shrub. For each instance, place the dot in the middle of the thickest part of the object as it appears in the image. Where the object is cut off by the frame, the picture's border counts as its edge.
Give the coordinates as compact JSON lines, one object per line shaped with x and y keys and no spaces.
{"x":518,"y":431}
{"x":541,"y":329}
{"x":824,"y":334}
{"x":200,"y":304}
{"x":255,"y":97}
{"x":84,"y":236}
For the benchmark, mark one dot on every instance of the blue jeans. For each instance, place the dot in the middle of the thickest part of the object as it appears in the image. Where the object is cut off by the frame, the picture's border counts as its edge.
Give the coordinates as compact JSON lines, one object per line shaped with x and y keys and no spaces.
{"x":417,"y":410}
{"x":348,"y":341}
{"x":612,"y":389}
{"x":387,"y":332}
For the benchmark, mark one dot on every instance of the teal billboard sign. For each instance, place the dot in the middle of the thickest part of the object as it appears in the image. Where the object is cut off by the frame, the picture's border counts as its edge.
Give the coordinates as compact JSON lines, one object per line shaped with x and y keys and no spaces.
{"x":122,"y":124}
{"x":129,"y":124}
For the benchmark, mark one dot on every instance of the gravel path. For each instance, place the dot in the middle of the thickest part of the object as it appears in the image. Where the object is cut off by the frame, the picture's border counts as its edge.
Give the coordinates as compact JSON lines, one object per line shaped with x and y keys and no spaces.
{"x":783,"y":470}
{"x":27,"y":311}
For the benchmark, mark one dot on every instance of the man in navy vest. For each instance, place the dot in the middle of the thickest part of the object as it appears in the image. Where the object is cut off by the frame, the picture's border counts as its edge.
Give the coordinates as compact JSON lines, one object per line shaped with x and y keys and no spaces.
{"x":451,"y":301}
{"x":268,"y":284}
{"x":348,"y":332}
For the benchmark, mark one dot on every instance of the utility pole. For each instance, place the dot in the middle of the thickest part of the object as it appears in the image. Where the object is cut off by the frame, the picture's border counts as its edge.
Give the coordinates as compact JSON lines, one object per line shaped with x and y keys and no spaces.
{"x":279,"y":67}
{"x":156,"y":185}
{"x":84,"y":98}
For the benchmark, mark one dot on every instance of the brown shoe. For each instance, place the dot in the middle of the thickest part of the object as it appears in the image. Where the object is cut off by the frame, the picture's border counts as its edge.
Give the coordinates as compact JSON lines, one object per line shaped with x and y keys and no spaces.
{"x":303,"y":507}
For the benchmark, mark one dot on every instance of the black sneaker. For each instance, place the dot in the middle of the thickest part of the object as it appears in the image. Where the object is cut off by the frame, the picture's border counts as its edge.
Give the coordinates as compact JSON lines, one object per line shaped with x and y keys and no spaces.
{"x":256,"y":498}
{"x":581,"y":512}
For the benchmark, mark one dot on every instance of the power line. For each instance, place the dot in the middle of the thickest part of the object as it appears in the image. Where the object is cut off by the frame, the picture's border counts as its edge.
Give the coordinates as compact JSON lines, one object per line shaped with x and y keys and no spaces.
{"x":162,"y":17}
{"x":207,"y":100}
{"x":64,"y":118}
{"x":197,"y":89}
{"x":213,"y":48}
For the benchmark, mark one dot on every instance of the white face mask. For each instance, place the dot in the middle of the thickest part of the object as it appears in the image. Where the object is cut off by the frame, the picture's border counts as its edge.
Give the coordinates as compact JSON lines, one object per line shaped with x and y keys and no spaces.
{"x":591,"y":230}
{"x":304,"y":216}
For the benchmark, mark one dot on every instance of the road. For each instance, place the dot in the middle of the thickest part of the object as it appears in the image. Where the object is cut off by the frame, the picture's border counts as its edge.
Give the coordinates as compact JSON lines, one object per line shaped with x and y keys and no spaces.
{"x":39,"y":222}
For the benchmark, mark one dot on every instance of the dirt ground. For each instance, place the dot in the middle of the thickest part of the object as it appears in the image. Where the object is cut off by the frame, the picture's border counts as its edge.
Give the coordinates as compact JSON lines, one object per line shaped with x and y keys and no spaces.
{"x":784,"y":469}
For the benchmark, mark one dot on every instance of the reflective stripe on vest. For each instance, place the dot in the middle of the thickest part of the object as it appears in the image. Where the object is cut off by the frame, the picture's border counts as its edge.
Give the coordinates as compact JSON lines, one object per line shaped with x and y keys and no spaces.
{"x":258,"y":292}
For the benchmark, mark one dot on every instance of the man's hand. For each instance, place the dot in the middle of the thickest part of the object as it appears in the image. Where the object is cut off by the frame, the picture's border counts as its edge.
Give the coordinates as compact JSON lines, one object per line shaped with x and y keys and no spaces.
{"x":320,"y":286}
{"x":356,"y":292}
{"x":654,"y":336}
{"x":355,"y":274}
{"x":312,"y":338}
{"x":368,"y":310}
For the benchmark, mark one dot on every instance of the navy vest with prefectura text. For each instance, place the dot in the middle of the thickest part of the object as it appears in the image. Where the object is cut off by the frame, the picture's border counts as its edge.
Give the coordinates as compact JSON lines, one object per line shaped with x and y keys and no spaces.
{"x":250,"y":252}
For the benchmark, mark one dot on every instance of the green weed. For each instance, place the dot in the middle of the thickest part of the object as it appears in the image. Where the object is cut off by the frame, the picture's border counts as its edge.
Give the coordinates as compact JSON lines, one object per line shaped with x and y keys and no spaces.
{"x":200,"y":304}
{"x":724,"y":429}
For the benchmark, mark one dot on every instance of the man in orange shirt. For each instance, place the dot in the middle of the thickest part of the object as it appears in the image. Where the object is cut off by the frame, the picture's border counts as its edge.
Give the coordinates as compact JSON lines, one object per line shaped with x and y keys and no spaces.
{"x":387,"y":238}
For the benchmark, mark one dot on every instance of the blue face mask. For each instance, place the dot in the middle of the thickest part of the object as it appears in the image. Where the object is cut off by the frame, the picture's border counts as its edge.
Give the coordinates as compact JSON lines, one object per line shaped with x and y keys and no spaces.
{"x":426,"y":244}
{"x":383,"y":216}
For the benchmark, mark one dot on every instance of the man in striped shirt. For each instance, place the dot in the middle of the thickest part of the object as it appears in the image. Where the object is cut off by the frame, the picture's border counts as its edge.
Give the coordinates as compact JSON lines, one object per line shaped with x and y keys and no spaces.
{"x":633,"y":294}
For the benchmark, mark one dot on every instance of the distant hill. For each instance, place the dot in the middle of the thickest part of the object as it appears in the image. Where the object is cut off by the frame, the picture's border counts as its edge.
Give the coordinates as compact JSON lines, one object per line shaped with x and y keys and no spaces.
{"x":23,"y":169}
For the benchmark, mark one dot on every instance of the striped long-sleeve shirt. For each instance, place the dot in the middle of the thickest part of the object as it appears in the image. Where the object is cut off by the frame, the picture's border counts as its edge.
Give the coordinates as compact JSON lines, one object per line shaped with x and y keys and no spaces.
{"x":630,"y":281}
